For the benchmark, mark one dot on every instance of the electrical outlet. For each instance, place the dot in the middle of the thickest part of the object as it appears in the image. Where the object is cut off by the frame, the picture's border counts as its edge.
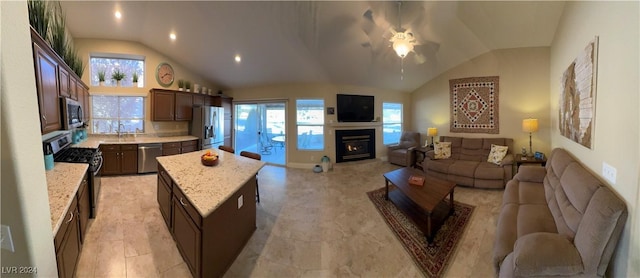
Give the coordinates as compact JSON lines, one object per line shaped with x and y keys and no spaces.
{"x":609,"y":172}
{"x":240,"y":201}
{"x":5,"y":238}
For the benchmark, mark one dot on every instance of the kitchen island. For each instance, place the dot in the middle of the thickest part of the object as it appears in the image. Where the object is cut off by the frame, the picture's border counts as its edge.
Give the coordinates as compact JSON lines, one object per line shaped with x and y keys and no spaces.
{"x":210,"y":211}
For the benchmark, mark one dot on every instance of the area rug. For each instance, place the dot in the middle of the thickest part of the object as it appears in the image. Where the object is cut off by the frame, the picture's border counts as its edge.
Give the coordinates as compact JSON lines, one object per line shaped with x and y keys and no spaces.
{"x":432,"y":259}
{"x":475,"y":105}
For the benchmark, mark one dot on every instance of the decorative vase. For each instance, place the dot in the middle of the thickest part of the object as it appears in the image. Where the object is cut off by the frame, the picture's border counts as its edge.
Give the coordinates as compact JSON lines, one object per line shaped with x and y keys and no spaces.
{"x":180,"y":89}
{"x":326,"y":163}
{"x":135,"y":84}
{"x":317,"y":169}
{"x":188,"y":90}
{"x":117,"y":83}
{"x":101,"y":83}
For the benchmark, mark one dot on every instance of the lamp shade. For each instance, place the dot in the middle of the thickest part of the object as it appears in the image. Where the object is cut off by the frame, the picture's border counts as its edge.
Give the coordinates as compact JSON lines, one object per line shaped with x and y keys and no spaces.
{"x":432,"y":131}
{"x":530,"y":125}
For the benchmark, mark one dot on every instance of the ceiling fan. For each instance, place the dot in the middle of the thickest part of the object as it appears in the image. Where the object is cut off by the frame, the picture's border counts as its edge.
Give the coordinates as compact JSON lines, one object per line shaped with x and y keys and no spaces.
{"x":406,"y":42}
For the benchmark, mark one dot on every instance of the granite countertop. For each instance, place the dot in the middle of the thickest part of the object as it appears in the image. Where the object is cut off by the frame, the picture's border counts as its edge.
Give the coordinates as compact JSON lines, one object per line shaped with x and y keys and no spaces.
{"x":93,"y":141}
{"x":208,"y":187}
{"x":63,"y":182}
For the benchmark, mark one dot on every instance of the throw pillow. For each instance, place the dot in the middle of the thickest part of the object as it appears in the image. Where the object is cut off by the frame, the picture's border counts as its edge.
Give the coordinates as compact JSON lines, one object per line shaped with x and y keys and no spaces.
{"x":442,"y":150}
{"x":497,"y":154}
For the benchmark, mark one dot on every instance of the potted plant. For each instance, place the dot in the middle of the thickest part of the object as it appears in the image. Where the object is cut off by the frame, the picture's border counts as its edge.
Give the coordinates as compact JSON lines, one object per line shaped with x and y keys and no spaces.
{"x":180,"y":84}
{"x":187,"y":86}
{"x":117,"y":75}
{"x":101,"y":76}
{"x":135,"y":79}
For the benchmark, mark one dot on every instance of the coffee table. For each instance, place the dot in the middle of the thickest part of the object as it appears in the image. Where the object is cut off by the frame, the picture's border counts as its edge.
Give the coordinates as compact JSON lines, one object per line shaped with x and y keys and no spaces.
{"x":426,"y":205}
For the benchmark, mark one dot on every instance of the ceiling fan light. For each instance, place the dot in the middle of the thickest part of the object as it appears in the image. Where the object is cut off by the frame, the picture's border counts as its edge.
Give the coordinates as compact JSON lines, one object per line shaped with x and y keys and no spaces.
{"x":402,"y":47}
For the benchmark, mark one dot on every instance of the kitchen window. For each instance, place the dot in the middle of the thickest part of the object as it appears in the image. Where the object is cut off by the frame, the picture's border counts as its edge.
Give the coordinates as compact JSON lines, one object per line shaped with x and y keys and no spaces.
{"x":310,"y":124}
{"x":113,"y":114}
{"x":391,"y":122}
{"x":108,"y":63}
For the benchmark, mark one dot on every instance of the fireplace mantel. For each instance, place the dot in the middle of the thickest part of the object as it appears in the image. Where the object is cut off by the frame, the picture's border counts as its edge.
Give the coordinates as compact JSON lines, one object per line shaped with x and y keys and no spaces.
{"x":354,"y":124}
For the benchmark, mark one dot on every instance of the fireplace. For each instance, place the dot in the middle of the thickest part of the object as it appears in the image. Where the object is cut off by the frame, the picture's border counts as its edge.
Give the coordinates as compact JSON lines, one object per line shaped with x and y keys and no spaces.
{"x":355,"y":144}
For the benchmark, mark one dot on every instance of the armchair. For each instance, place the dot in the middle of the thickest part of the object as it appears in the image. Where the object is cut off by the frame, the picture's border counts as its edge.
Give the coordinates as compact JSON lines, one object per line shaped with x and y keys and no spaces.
{"x":402,"y":153}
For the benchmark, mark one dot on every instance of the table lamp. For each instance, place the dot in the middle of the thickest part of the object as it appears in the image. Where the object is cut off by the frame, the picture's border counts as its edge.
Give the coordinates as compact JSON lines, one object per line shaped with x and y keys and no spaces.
{"x":530,"y":125}
{"x":432,"y":131}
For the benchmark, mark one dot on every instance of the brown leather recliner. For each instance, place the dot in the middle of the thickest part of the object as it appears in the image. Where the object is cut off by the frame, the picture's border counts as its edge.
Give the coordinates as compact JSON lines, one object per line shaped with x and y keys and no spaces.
{"x":402,"y":154}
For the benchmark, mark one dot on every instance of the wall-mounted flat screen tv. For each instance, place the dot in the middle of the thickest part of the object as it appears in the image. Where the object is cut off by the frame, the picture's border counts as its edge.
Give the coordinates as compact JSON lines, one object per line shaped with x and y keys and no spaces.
{"x":355,"y":108}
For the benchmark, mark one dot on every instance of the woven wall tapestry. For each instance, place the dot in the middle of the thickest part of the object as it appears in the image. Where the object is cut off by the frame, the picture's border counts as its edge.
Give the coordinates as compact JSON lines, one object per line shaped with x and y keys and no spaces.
{"x":474,"y":105}
{"x":577,"y":98}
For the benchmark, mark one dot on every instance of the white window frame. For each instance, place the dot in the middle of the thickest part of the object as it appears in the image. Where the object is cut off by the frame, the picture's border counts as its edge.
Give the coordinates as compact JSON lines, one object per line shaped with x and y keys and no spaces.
{"x":108,"y":82}
{"x":388,"y":123}
{"x":320,"y":123}
{"x":118,"y":119}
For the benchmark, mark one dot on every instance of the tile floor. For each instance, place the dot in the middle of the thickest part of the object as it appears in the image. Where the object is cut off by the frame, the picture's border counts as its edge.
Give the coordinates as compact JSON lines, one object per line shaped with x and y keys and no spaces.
{"x":308,"y":225}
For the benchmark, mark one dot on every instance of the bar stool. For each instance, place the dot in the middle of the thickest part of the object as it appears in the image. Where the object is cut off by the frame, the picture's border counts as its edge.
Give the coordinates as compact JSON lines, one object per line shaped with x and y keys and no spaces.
{"x":226,"y":149}
{"x":255,"y":156}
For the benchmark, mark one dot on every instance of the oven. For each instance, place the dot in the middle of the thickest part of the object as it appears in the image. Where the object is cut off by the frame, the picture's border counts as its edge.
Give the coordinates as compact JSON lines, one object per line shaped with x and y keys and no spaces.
{"x":72,"y":113}
{"x":62,"y":152}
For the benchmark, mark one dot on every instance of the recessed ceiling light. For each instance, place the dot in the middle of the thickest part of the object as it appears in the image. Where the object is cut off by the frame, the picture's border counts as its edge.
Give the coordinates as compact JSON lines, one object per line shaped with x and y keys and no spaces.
{"x":118,"y":15}
{"x":238,"y":59}
{"x":172,"y":36}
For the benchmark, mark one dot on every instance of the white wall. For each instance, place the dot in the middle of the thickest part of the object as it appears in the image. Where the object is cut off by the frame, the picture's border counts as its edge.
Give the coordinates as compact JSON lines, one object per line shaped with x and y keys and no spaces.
{"x":328,"y":92}
{"x":25,"y":201}
{"x":616,"y":139}
{"x":524,"y":90}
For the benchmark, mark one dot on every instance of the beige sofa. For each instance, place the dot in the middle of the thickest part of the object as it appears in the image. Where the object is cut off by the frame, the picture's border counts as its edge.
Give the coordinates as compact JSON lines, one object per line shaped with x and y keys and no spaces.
{"x":557,"y":221}
{"x":468,"y":164}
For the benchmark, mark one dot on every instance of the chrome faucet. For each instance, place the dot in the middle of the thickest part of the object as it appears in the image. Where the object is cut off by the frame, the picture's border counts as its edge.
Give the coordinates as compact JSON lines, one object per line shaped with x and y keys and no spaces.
{"x":120,"y":130}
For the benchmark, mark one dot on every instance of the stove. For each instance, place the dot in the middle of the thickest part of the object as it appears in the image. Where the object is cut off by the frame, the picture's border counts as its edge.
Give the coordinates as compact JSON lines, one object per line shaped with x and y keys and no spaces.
{"x":62,"y":151}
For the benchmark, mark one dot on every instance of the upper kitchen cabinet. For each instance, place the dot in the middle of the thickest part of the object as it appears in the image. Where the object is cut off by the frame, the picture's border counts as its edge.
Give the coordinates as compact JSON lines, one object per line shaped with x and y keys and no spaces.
{"x":47,"y":87}
{"x":228,"y":120}
{"x":168,"y":105}
{"x":54,"y":79}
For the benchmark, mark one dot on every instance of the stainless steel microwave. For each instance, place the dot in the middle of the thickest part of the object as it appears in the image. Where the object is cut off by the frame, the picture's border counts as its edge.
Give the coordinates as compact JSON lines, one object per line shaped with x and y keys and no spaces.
{"x":72,"y":114}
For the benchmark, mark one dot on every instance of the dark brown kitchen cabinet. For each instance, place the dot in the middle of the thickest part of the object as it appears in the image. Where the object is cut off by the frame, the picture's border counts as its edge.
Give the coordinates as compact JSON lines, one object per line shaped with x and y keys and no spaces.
{"x":83,"y":99}
{"x":119,"y":159}
{"x":228,"y":120}
{"x":189,"y":146}
{"x":213,"y":101}
{"x":184,"y":106}
{"x":186,"y":233}
{"x":84,"y":207}
{"x":168,"y":105}
{"x":171,"y":148}
{"x":54,"y":79}
{"x":67,"y":242}
{"x":47,"y":88}
{"x":198,"y":100}
{"x":164,"y":195}
{"x":162,"y":105}
{"x":64,"y":82}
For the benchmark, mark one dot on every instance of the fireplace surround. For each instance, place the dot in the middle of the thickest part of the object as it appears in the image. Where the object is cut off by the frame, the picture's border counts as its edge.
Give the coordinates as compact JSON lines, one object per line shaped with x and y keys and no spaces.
{"x":355,"y":144}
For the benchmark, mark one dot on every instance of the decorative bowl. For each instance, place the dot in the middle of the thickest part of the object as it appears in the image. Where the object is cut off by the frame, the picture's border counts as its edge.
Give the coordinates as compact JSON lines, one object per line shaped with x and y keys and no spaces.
{"x":209,"y":162}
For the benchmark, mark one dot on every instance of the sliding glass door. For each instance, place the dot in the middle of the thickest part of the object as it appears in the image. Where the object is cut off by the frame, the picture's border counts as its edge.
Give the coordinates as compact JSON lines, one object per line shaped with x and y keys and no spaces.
{"x":261,"y":128}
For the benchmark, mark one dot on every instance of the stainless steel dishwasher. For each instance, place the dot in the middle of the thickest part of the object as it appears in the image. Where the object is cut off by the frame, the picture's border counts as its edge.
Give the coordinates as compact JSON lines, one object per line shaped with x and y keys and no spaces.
{"x":147,"y":154}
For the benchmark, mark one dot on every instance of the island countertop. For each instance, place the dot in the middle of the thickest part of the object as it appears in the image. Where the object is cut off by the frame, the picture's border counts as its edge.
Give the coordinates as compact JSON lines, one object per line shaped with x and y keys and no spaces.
{"x":208,"y":187}
{"x":63,"y":182}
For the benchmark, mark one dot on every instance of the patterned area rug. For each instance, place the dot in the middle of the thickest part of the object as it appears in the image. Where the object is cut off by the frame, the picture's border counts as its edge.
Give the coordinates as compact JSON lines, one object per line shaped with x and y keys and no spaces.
{"x":432,"y":258}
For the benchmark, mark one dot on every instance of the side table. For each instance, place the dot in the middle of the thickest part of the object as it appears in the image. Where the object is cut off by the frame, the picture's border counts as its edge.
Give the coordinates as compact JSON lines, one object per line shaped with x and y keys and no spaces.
{"x":420,"y":154}
{"x":528,"y":160}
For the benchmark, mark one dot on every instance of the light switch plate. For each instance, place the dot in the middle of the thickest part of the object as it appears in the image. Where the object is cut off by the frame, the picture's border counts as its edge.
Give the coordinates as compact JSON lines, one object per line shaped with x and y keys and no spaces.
{"x":240,"y":201}
{"x":609,"y":173}
{"x":5,"y":238}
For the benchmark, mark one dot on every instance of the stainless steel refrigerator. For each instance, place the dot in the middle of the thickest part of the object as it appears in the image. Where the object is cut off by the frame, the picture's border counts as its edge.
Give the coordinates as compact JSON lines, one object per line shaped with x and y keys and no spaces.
{"x":208,"y":125}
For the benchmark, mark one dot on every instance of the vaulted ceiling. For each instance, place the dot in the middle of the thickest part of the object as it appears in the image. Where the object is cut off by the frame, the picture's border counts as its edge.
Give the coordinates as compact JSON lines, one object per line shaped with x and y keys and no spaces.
{"x":345,"y":42}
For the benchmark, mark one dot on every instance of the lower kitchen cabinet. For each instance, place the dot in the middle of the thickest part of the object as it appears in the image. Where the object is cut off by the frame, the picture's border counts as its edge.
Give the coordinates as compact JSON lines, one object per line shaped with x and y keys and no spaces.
{"x":67,"y":242}
{"x":171,"y":148}
{"x":119,"y":159}
{"x":189,"y":146}
{"x":210,"y":244}
{"x":84,"y":207}
{"x":164,"y":195}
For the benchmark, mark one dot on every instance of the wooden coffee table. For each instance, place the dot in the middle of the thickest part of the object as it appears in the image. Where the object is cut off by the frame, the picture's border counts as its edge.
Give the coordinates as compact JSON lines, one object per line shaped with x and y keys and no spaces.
{"x":426,"y":205}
